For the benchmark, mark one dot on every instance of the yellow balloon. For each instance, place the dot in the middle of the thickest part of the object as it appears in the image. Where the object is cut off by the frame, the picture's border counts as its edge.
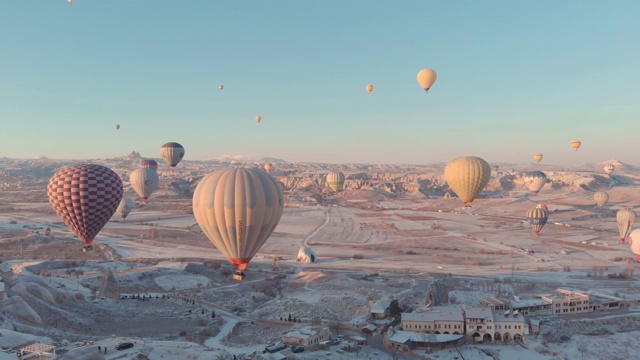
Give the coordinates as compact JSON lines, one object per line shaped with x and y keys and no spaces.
{"x":369,"y":88}
{"x":537,"y":157}
{"x":426,"y":78}
{"x":467,"y":176}
{"x":576,"y":144}
{"x":601,"y":198}
{"x":268,"y":167}
{"x":335,"y":180}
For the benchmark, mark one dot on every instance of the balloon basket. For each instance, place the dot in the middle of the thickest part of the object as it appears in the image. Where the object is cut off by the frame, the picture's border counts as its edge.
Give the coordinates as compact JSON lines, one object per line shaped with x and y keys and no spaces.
{"x":87,"y":248}
{"x":238,"y":275}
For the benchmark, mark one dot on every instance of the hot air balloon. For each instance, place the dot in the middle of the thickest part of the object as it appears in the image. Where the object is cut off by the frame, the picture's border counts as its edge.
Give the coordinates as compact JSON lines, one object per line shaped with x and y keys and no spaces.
{"x":258,"y":118}
{"x":537,"y":157}
{"x":220,"y":87}
{"x":426,"y":78}
{"x":238,"y":209}
{"x":467,"y":176}
{"x":172,"y":153}
{"x":144,"y":182}
{"x":335,"y":180}
{"x":117,"y":127}
{"x":608,"y":169}
{"x":537,"y":217}
{"x":634,"y":242}
{"x":85,"y":197}
{"x":601,"y":198}
{"x":534,"y":180}
{"x":576,"y":144}
{"x":70,"y":1}
{"x":369,"y":88}
{"x":543,"y":206}
{"x":495,"y":168}
{"x":148,"y":163}
{"x":625,"y":220}
{"x":125,"y":207}
{"x":268,"y":167}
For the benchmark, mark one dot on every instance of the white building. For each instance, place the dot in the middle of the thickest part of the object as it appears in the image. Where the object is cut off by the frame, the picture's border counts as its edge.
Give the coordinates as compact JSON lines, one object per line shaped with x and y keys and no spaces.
{"x":479,"y":323}
{"x":380,"y":309}
{"x":306,"y":336}
{"x":440,"y":320}
{"x":509,"y":327}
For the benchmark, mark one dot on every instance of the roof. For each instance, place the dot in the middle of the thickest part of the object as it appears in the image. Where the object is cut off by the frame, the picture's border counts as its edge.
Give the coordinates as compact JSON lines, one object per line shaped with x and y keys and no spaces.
{"x":380,"y":306}
{"x":370,"y":327}
{"x":402,"y":337}
{"x":493,"y":301}
{"x":529,"y":303}
{"x":304,"y":332}
{"x":437,"y":313}
{"x":497,"y":317}
{"x":478,"y":313}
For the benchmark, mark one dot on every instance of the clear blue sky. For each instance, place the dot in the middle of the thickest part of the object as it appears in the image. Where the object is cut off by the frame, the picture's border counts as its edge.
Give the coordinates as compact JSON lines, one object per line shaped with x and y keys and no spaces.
{"x":514,"y":78}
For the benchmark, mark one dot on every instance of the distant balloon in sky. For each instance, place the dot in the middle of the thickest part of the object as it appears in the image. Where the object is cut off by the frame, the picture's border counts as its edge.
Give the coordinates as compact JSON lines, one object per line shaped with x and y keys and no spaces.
{"x":576,"y":144}
{"x":268,"y":167}
{"x":467,"y":176}
{"x":537,"y":217}
{"x":238,"y":209}
{"x":537,"y":157}
{"x":601,"y":198}
{"x":608,"y":169}
{"x":70,"y":1}
{"x":625,"y":219}
{"x":258,"y":118}
{"x":535,"y":180}
{"x":369,"y":88}
{"x":125,"y":207}
{"x":220,"y":87}
{"x":426,"y":78}
{"x":172,"y":153}
{"x":85,"y":197}
{"x":144,"y":182}
{"x":117,"y":127}
{"x":149,"y":163}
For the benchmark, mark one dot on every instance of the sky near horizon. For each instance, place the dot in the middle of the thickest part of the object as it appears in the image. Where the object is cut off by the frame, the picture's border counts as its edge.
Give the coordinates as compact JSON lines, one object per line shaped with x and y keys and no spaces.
{"x":514,"y":78}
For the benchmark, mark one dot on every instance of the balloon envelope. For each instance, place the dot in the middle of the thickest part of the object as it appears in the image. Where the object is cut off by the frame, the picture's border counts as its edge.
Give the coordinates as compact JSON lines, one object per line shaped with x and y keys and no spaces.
{"x":148,"y":163}
{"x":125,"y":207}
{"x":543,"y":206}
{"x":238,"y":209}
{"x":467,"y":176}
{"x":426,"y":78}
{"x":117,"y":127}
{"x":608,"y":169}
{"x":537,"y":157}
{"x":335,"y":180}
{"x":144,"y":182}
{"x":220,"y":87}
{"x":534,"y":180}
{"x":85,"y":197}
{"x":576,"y":144}
{"x":537,"y":217}
{"x":258,"y":118}
{"x":634,"y":242}
{"x":268,"y":167}
{"x":601,"y":198}
{"x":369,"y":88}
{"x":625,"y":219}
{"x":172,"y":153}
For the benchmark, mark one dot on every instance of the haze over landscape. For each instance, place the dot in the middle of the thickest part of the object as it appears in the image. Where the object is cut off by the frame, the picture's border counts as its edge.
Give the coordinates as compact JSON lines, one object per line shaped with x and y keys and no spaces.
{"x":194,"y":138}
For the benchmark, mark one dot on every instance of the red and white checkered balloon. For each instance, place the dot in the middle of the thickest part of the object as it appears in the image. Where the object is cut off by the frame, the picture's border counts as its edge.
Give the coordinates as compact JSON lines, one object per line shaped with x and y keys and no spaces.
{"x":85,"y":197}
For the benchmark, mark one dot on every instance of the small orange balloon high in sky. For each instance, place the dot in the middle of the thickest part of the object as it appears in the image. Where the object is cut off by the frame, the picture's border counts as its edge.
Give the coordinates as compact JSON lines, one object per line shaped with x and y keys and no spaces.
{"x":220,"y":87}
{"x":258,"y":118}
{"x":426,"y":78}
{"x":576,"y":144}
{"x":537,"y":157}
{"x":369,"y":88}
